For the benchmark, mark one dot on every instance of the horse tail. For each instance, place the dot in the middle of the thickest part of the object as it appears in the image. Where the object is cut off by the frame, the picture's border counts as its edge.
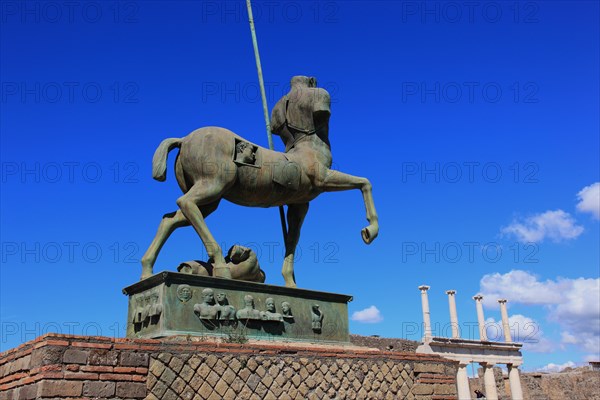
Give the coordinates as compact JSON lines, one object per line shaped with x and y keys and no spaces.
{"x":159,"y":161}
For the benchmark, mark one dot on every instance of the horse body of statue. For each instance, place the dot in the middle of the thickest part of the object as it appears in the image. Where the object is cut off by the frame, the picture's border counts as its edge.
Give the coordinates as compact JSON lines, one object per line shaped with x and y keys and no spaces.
{"x":214,"y":163}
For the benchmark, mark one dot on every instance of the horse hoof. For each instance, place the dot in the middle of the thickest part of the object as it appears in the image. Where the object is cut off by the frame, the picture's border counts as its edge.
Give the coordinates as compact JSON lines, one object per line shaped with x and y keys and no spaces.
{"x":146,"y":273}
{"x":369,"y":234}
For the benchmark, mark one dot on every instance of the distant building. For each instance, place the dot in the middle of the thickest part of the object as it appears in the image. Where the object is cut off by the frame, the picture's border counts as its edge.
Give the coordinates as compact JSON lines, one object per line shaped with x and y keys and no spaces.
{"x":595,"y":365}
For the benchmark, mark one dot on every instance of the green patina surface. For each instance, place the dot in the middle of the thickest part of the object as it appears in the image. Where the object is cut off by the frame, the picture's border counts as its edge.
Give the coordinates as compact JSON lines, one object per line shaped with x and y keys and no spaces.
{"x":169,"y":304}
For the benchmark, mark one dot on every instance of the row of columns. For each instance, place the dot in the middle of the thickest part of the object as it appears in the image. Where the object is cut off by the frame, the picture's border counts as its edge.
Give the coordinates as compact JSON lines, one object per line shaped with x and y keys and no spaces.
{"x":454,"y":316}
{"x":462,"y":377}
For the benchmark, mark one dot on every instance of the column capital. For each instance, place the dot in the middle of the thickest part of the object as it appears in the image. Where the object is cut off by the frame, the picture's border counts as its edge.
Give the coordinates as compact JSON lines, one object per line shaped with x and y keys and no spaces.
{"x":502,"y":301}
{"x":478,"y":297}
{"x":487,"y":364}
{"x":450,"y":292}
{"x":423,"y":288}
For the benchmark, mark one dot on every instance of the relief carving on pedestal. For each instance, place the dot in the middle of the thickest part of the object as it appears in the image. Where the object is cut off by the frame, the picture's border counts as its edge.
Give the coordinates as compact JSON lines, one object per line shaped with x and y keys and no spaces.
{"x":147,"y":310}
{"x":249,"y":311}
{"x":207,"y":309}
{"x":317,"y":318}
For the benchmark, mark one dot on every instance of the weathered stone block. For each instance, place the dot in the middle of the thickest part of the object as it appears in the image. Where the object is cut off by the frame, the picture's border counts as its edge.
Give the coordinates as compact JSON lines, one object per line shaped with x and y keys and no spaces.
{"x":176,"y":364}
{"x":429,"y":368}
{"x":156,"y":367}
{"x":178,"y":385}
{"x":60,"y":388}
{"x":72,"y":356}
{"x":103,"y":357}
{"x":444,"y":388}
{"x":420,"y":388}
{"x":168,"y":376}
{"x":99,"y":389}
{"x":27,"y":392}
{"x":131,"y":390}
{"x":46,"y":355}
{"x":131,"y":359}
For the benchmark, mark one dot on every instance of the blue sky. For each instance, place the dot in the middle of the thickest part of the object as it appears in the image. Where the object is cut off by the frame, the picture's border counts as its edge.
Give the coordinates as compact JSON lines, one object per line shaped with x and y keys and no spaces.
{"x":476,"y":124}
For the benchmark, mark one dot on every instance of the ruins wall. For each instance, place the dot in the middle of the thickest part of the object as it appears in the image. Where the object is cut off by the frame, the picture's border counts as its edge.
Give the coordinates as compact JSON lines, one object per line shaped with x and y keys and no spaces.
{"x":65,"y":366}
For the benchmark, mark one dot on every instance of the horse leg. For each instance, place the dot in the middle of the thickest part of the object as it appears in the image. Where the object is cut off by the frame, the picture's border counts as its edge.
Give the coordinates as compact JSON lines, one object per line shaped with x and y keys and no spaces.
{"x":203,"y":193}
{"x":295,"y":218}
{"x":336,"y":181}
{"x":169,"y":223}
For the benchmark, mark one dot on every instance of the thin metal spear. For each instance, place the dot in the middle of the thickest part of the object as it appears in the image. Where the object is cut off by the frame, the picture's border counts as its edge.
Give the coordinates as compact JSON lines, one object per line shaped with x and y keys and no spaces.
{"x":264,"y":102}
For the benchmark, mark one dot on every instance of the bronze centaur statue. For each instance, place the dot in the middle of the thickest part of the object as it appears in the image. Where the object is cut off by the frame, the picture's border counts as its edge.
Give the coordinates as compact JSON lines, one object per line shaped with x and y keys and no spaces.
{"x":214,"y":163}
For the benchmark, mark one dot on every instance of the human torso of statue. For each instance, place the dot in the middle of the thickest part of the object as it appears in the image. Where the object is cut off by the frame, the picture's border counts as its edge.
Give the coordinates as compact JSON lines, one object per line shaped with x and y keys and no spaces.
{"x":304,"y":111}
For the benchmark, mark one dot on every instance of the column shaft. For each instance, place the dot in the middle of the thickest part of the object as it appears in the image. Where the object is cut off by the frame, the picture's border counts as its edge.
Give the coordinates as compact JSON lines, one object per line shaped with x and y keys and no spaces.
{"x":453,"y":315}
{"x":505,"y":323}
{"x":489,"y":382}
{"x":514,"y":379}
{"x":426,"y":315}
{"x":462,"y":383}
{"x":480,"y":318}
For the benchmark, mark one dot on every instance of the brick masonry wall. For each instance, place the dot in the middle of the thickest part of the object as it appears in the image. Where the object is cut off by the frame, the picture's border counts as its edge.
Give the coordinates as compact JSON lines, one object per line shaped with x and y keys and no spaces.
{"x":578,"y":384}
{"x":65,"y":366}
{"x":385,"y":343}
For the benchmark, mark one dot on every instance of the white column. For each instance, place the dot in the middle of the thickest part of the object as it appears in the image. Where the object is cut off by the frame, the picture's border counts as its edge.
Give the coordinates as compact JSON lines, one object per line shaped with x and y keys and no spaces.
{"x":462,"y":382}
{"x":489,"y":382}
{"x":480,"y":319}
{"x":505,"y":324}
{"x":426,"y":316}
{"x":453,"y":315}
{"x":514,"y":379}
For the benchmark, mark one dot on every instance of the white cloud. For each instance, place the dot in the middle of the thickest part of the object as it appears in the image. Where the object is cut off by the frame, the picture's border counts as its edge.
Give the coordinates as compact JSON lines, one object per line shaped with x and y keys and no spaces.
{"x":523,"y":330}
{"x":567,"y":338}
{"x":589,"y":200}
{"x":370,"y":315}
{"x":574,"y":304}
{"x":555,"y":225}
{"x":520,"y":287}
{"x":556,"y":367}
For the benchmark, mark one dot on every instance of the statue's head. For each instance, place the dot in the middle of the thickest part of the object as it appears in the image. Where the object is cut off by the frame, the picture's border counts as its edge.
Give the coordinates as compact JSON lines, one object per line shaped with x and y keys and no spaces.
{"x":306,"y":81}
{"x":249,"y":301}
{"x":208,"y":296}
{"x":270,"y":304}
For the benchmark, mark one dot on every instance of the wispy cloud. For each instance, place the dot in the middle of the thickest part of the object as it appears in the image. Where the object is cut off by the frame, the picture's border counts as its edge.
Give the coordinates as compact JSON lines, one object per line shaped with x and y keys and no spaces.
{"x":370,"y":315}
{"x":556,"y":225}
{"x":556,"y":367}
{"x":589,"y":200}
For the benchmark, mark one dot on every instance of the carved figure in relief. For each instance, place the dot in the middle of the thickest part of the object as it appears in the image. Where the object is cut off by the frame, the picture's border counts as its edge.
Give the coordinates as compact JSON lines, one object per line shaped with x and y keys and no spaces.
{"x":317,"y":318}
{"x":226,"y":311}
{"x":286,"y":310}
{"x":207,"y":309}
{"x":271,"y":314}
{"x":245,"y":152}
{"x":249,"y":311}
{"x":184,"y":293}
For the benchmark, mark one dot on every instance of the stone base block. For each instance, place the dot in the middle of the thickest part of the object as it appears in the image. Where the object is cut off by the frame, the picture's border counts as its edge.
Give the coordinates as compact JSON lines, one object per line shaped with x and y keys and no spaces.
{"x":170,"y":304}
